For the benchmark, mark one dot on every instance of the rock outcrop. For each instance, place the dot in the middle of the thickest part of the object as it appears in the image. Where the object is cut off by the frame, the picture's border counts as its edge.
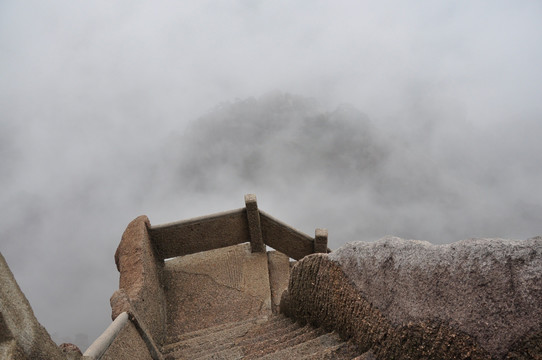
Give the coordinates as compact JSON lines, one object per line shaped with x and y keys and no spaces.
{"x":21,"y":335}
{"x":71,"y":351}
{"x":474,"y":299}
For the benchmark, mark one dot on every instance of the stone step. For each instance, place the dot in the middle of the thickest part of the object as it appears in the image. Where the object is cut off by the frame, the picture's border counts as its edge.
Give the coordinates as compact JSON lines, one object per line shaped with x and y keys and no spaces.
{"x":172,"y":340}
{"x":327,"y":353}
{"x":221,"y":338}
{"x":369,"y":355}
{"x":276,"y":337}
{"x":275,"y":324}
{"x":207,"y":338}
{"x":342,"y":351}
{"x":305,"y":349}
{"x":256,"y":335}
{"x":292,"y":338}
{"x":265,"y":333}
{"x":262,"y":348}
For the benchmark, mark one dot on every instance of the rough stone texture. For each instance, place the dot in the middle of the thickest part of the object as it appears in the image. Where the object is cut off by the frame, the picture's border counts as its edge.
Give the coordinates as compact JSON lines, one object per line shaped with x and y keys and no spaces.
{"x":69,"y":348}
{"x":140,"y":277}
{"x":490,"y":289}
{"x":529,"y":348}
{"x":10,"y":350}
{"x":127,"y":345}
{"x":71,"y":351}
{"x":279,"y":274}
{"x":261,"y":338}
{"x":120,"y":303}
{"x":284,"y":238}
{"x":366,"y":356}
{"x":21,"y":335}
{"x":319,"y":292}
{"x":200,"y":234}
{"x":320,"y":241}
{"x":144,"y":333}
{"x":254,"y":226}
{"x":216,"y":287}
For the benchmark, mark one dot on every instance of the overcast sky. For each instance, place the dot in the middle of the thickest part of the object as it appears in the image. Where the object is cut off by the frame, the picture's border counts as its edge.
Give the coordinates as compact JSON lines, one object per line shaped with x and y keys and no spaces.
{"x":109,"y":110}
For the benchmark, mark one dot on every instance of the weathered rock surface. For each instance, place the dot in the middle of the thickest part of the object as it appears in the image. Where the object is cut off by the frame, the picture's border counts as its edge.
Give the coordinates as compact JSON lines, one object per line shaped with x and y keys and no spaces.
{"x":490,"y":289}
{"x":140,"y":272}
{"x":476,"y":299}
{"x":279,"y":274}
{"x":71,"y":351}
{"x":21,"y":335}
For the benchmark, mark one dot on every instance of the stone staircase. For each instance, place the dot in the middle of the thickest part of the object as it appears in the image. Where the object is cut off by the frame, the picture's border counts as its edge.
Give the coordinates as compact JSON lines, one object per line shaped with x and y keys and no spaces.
{"x":265,"y":337}
{"x":208,"y":288}
{"x":220,"y":306}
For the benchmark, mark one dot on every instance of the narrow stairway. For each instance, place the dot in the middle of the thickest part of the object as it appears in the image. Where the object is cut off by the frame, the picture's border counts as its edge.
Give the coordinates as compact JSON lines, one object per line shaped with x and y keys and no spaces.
{"x":264,"y":337}
{"x":224,"y":304}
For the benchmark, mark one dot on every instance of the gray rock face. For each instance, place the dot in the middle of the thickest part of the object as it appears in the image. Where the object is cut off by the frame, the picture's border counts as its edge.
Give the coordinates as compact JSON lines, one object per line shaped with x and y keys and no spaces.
{"x":490,"y":289}
{"x":21,"y":335}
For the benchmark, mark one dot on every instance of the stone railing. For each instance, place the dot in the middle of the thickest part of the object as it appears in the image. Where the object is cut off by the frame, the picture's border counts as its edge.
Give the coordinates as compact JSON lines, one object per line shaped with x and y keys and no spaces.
{"x":234,"y":227}
{"x":141,"y":253}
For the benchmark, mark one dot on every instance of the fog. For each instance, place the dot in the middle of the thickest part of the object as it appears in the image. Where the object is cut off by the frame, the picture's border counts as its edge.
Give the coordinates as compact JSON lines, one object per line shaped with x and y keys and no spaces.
{"x":421,"y":120}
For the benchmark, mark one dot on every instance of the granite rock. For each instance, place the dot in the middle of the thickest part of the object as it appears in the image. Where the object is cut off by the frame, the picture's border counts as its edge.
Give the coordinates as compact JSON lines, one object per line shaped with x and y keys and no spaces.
{"x":490,"y":289}
{"x":21,"y":335}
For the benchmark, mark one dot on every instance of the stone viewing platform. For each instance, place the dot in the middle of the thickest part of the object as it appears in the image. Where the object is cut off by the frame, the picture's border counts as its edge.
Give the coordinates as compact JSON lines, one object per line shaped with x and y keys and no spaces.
{"x":243,"y":285}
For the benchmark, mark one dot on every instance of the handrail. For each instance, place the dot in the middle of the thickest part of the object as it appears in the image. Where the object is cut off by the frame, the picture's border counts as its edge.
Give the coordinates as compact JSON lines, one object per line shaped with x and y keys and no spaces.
{"x":101,"y":344}
{"x":200,"y":234}
{"x":285,"y":238}
{"x":231,"y":228}
{"x":195,"y":220}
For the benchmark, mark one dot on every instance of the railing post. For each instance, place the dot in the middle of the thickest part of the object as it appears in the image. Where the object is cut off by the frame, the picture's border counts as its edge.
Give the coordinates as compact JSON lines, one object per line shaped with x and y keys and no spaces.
{"x":254,"y":227}
{"x":320,"y":241}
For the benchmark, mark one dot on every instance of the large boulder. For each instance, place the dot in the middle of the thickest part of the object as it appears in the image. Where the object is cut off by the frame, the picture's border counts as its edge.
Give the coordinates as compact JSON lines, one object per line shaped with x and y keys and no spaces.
{"x":477,"y":298}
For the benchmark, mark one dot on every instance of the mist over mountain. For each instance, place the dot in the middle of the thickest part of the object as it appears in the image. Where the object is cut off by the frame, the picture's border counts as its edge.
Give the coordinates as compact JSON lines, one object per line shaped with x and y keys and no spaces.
{"x":341,"y":170}
{"x":109,"y":111}
{"x":277,"y":141}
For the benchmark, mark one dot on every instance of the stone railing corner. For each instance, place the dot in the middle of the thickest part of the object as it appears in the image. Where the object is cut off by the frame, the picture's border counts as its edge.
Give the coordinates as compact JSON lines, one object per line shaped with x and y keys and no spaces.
{"x":140,"y":277}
